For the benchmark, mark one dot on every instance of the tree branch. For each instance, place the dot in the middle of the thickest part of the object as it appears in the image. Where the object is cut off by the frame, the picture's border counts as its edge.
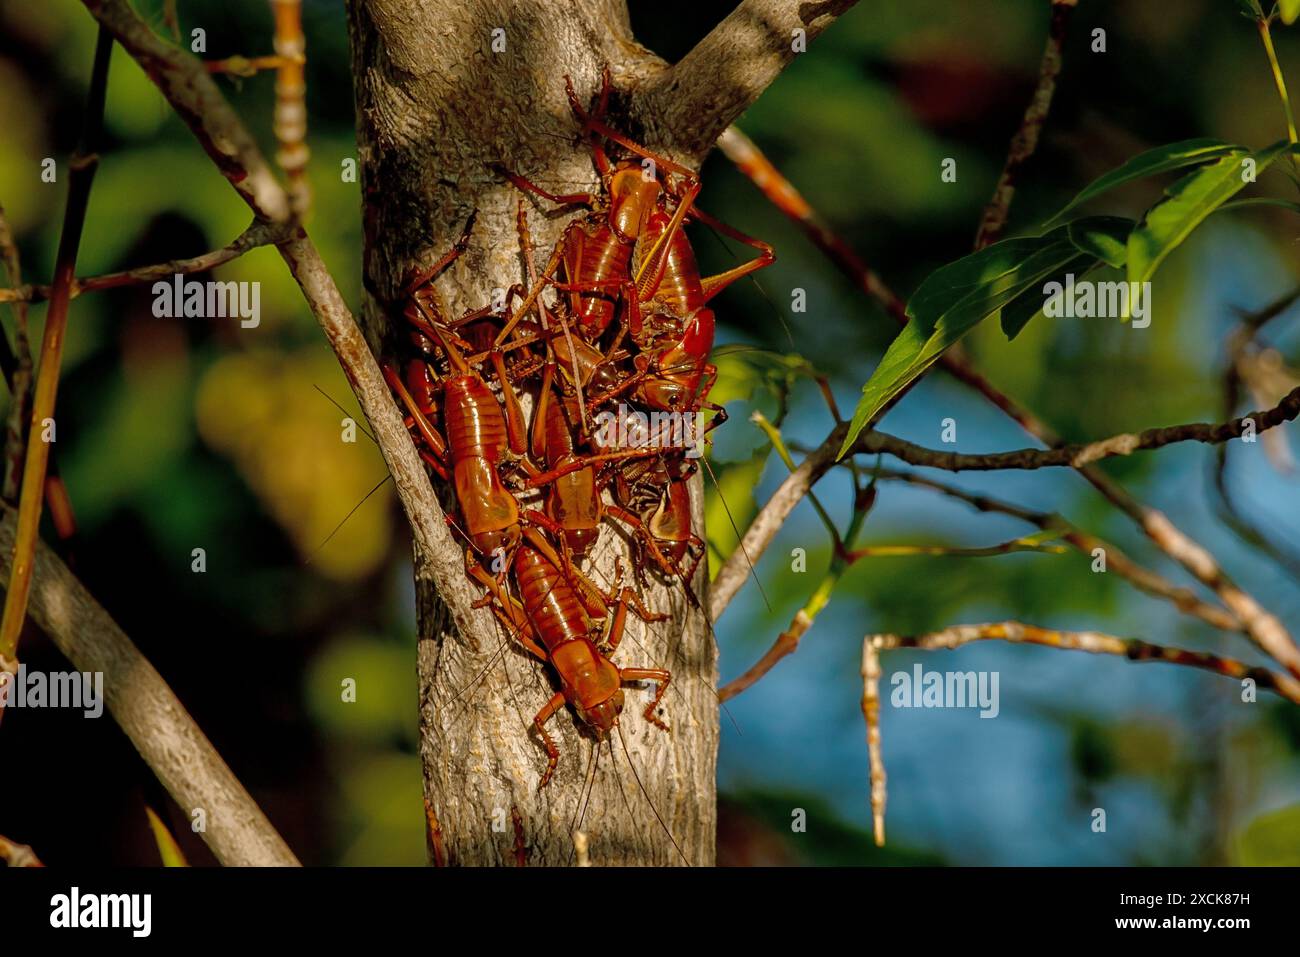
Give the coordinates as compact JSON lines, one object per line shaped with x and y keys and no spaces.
{"x":875,"y":753}
{"x":31,"y":495}
{"x":692,"y":102}
{"x":17,"y":367}
{"x":185,"y":83}
{"x":258,"y":234}
{"x":1079,"y":455}
{"x":1095,"y":642}
{"x":1013,"y":631}
{"x":146,"y":709}
{"x":781,"y":193}
{"x":737,"y":568}
{"x":1023,"y":144}
{"x":1184,"y":599}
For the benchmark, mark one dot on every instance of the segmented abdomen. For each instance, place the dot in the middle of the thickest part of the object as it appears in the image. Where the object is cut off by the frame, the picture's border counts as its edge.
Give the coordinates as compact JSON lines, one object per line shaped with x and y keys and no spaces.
{"x":550,"y":603}
{"x":473,"y":420}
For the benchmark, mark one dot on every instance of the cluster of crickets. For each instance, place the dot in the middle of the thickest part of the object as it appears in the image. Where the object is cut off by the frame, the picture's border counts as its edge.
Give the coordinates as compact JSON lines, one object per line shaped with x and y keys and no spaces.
{"x":617,"y":371}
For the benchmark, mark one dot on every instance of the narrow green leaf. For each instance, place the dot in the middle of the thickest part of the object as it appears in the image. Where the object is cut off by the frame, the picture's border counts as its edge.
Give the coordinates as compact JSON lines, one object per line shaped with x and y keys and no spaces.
{"x":1261,"y":201}
{"x":949,"y":284}
{"x":170,"y":851}
{"x":1185,"y":206}
{"x":1162,"y":159}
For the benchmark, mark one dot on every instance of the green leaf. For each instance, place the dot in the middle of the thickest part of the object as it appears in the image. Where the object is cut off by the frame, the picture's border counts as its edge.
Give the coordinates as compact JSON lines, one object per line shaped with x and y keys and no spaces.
{"x":1290,"y":9}
{"x":1162,"y":159}
{"x":947,"y":285}
{"x":1186,"y":204}
{"x":952,"y":301}
{"x":1271,"y":840}
{"x":1261,"y":201}
{"x":1250,"y":9}
{"x":1018,"y":312}
{"x":1105,"y":237}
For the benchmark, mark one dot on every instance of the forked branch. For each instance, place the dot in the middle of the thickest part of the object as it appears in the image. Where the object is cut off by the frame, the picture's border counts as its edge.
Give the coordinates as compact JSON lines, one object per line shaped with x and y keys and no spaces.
{"x":186,"y":84}
{"x":146,"y":709}
{"x":1096,"y":643}
{"x":258,"y":234}
{"x":1081,"y":454}
{"x":705,"y":91}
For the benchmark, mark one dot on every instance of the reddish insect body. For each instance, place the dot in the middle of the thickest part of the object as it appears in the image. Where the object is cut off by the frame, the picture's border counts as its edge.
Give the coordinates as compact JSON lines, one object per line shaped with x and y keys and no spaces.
{"x":633,"y":320}
{"x":572,"y":500}
{"x":557,"y":623}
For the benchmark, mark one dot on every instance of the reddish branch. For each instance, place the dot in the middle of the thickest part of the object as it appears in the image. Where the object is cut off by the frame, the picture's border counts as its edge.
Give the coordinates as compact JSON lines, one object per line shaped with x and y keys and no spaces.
{"x":782,"y":194}
{"x":290,"y":123}
{"x":1023,"y":144}
{"x":32,"y":493}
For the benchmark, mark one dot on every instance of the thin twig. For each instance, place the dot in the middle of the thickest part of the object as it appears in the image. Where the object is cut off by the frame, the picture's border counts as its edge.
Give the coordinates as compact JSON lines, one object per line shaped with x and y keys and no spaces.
{"x":148,"y":711}
{"x":83,"y":165}
{"x":1184,"y":599}
{"x":1015,"y":545}
{"x":1263,"y":374}
{"x":1097,"y":643}
{"x":1080,"y":454}
{"x":290,"y":122}
{"x":17,"y":368}
{"x":1266,"y":37}
{"x":782,"y":194}
{"x":786,"y":643}
{"x":17,"y":855}
{"x":994,"y":219}
{"x":245,"y":67}
{"x":845,"y":557}
{"x":186,"y":85}
{"x":735,"y":570}
{"x":257,"y":234}
{"x":875,"y":753}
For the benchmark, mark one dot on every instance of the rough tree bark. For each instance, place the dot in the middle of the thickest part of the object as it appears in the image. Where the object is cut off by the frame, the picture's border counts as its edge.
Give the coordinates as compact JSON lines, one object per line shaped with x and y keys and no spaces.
{"x":445,"y":89}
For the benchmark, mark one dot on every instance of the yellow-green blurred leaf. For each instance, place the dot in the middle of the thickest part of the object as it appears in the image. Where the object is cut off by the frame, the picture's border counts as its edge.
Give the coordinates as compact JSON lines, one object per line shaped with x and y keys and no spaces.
{"x":1271,"y":840}
{"x":168,"y":849}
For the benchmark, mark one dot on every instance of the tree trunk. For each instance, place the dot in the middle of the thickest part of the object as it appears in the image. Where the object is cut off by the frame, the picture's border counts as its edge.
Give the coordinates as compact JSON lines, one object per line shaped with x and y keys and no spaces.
{"x":439,"y":102}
